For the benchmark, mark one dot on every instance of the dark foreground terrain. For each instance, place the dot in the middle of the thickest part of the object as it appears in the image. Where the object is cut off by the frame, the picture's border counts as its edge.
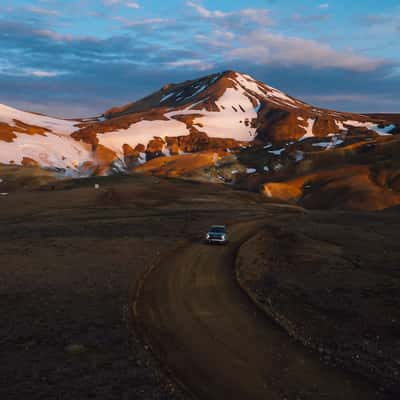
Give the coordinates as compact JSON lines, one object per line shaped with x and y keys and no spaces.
{"x":75,"y":262}
{"x":70,"y":259}
{"x":332,"y":281}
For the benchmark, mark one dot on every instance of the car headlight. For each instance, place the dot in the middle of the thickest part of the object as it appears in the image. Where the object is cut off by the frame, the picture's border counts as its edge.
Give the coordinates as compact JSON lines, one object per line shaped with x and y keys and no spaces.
{"x":208,"y":236}
{"x":223,"y":237}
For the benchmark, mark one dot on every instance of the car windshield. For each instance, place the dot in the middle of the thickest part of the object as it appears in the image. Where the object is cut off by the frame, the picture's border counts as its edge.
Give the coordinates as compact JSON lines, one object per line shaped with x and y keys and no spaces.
{"x":217,"y":229}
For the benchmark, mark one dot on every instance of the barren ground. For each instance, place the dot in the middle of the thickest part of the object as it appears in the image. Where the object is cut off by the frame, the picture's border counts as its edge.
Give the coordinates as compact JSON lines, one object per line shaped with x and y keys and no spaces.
{"x":332,"y":281}
{"x":71,"y":258}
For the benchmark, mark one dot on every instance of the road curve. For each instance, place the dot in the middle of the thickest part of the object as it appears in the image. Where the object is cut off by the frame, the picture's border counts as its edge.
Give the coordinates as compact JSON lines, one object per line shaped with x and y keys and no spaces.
{"x":214,"y":340}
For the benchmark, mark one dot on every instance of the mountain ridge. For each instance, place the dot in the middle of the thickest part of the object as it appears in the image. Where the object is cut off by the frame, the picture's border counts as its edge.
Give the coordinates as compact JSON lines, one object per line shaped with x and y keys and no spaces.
{"x":217,"y":113}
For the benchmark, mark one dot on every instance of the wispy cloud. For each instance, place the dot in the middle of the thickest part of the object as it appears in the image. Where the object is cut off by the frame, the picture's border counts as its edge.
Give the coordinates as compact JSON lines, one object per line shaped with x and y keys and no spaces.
{"x":42,"y":74}
{"x":129,"y":4}
{"x":111,"y":2}
{"x":204,"y":12}
{"x":53,"y":35}
{"x":198,"y":65}
{"x":142,"y":22}
{"x":132,"y":4}
{"x":44,"y":57}
{"x":42,"y":11}
{"x":259,"y":16}
{"x":309,"y":19}
{"x":362,"y":100}
{"x":268,"y":48}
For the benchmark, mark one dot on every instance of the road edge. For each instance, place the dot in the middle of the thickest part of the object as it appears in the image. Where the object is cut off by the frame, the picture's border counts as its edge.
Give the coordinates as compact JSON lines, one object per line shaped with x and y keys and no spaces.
{"x":134,"y":296}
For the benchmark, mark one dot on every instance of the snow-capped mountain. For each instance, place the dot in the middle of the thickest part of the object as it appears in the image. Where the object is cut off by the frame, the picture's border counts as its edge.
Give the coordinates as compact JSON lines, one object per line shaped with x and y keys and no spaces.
{"x":219,"y":111}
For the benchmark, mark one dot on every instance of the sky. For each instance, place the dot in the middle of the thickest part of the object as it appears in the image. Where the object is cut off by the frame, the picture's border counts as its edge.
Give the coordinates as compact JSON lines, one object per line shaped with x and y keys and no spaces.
{"x":78,"y":58}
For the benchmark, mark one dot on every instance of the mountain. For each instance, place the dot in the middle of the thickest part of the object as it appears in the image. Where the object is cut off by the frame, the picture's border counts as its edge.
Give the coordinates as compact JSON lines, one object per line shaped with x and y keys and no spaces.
{"x":224,"y":127}
{"x":219,"y":111}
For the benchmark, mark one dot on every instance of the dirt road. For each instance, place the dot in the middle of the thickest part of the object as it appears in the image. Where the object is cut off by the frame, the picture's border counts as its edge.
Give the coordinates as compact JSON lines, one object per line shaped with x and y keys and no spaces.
{"x":215,"y":341}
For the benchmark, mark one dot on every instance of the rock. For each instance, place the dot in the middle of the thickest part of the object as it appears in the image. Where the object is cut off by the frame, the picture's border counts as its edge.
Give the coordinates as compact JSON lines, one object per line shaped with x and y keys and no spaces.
{"x":29,"y":162}
{"x":154,"y":148}
{"x":75,"y":349}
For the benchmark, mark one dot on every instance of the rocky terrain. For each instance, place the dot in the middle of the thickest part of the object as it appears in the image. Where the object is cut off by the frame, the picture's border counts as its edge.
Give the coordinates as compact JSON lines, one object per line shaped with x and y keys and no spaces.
{"x":73,"y":253}
{"x":331,"y":281}
{"x":71,"y":257}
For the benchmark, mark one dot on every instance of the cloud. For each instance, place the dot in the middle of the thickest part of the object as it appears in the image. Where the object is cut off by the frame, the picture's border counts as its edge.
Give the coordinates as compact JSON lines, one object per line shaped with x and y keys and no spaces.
{"x":217,"y":39}
{"x":53,"y":35}
{"x":268,"y":48}
{"x":247,"y":15}
{"x":42,"y":74}
{"x":344,"y":97}
{"x":324,"y":5}
{"x":42,"y":11}
{"x":226,"y":35}
{"x":198,"y":65}
{"x":356,"y":102}
{"x":111,"y":2}
{"x":48,"y":68}
{"x":307,"y":19}
{"x":143,"y":22}
{"x":212,"y":43}
{"x":133,"y":5}
{"x":204,"y":12}
{"x":129,"y":4}
{"x":379,"y":19}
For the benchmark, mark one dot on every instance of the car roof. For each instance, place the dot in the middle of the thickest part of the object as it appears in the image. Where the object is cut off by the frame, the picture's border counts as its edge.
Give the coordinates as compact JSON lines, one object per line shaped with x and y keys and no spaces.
{"x":218,"y":226}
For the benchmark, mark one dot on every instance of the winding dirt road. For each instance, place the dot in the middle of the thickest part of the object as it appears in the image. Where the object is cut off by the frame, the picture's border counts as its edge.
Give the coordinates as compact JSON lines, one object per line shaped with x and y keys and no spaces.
{"x":215,"y":341}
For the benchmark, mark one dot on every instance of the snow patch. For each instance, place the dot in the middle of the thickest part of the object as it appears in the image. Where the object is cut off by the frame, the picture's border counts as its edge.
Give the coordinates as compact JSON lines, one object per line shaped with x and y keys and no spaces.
{"x":52,"y":151}
{"x":299,"y":156}
{"x":56,"y":125}
{"x":166,"y":151}
{"x":166,"y":97}
{"x":309,"y":129}
{"x":384,"y":131}
{"x":226,"y":122}
{"x":277,"y":152}
{"x":141,"y":133}
{"x":329,"y":145}
{"x":198,"y":91}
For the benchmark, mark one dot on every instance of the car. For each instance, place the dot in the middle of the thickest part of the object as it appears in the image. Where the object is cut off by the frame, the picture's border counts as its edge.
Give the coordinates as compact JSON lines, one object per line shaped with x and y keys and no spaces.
{"x":217,"y":234}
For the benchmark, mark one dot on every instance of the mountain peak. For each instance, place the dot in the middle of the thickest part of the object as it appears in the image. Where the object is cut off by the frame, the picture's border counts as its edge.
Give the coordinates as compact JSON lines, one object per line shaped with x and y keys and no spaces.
{"x":207,"y":89}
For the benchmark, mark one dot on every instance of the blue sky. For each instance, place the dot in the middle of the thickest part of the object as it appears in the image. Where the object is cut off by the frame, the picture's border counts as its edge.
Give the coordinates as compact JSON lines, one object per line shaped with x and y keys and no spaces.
{"x":80,"y":57}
